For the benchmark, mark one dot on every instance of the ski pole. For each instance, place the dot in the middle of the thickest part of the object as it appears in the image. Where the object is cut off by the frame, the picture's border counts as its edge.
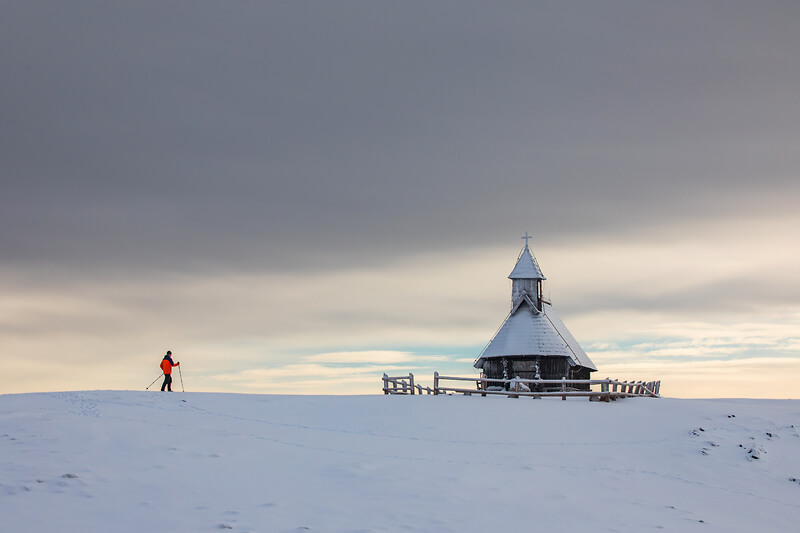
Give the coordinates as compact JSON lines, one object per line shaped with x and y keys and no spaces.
{"x":148,"y":387}
{"x":181,"y":375}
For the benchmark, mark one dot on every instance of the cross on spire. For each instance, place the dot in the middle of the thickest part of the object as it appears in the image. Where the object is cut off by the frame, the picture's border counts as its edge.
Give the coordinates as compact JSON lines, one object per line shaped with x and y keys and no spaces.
{"x":526,"y":237}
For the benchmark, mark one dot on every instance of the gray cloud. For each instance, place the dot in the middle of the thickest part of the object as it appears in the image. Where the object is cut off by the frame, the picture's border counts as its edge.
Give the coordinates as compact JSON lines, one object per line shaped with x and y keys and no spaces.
{"x":268,"y":136}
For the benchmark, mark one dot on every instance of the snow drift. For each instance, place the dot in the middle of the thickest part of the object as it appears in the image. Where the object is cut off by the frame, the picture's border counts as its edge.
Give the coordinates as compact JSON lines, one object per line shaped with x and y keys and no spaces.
{"x":135,"y":462}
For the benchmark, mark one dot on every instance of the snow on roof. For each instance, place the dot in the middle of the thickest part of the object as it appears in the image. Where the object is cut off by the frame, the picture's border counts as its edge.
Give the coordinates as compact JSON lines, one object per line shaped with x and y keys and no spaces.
{"x":526,"y":267}
{"x":525,"y":332}
{"x":578,"y":354}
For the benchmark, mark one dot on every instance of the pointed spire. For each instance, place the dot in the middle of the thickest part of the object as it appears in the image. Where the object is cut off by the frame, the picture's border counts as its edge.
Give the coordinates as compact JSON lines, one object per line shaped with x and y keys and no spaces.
{"x":526,"y":267}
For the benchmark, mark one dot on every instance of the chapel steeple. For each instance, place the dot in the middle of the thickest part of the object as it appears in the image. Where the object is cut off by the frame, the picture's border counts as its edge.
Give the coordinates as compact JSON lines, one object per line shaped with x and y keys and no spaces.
{"x":526,"y":278}
{"x":533,"y":342}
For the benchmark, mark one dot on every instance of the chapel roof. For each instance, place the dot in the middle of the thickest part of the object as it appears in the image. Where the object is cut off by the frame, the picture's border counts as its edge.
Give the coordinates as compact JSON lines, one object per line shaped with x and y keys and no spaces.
{"x":529,"y":332}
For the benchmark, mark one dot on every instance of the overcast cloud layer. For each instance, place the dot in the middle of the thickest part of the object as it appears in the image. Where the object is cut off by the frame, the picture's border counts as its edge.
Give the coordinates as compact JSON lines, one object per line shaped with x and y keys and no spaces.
{"x":274,"y":179}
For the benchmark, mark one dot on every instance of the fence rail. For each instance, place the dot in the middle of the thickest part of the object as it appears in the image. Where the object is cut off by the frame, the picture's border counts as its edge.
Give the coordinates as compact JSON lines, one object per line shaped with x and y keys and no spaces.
{"x":595,"y":389}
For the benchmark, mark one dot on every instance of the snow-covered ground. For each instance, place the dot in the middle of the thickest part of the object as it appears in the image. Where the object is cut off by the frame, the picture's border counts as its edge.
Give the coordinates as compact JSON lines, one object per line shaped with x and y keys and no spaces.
{"x":149,"y":461}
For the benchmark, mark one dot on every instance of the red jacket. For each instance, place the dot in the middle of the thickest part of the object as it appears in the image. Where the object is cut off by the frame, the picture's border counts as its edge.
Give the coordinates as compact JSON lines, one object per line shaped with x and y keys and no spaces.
{"x":167,"y":364}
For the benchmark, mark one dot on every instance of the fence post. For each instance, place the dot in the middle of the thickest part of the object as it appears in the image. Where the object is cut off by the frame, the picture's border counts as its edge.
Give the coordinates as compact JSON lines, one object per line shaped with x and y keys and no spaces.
{"x":564,"y":387}
{"x":385,"y":383}
{"x":435,"y":383}
{"x":411,"y":379}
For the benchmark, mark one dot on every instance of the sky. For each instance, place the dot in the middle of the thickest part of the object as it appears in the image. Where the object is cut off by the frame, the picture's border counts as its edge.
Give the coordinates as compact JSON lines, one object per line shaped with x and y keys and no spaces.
{"x":296,"y":197}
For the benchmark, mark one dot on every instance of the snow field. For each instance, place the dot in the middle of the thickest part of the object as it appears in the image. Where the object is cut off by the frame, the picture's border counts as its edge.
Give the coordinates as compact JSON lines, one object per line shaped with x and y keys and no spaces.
{"x":151,"y":461}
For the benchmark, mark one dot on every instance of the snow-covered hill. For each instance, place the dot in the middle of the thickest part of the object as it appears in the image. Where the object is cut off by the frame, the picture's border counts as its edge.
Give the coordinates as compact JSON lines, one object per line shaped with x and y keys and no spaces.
{"x":134,"y":462}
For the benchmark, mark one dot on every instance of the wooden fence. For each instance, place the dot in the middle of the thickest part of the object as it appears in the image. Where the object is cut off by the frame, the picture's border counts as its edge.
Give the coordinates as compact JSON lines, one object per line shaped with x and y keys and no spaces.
{"x":604,"y":389}
{"x":595,"y":389}
{"x":398,"y":384}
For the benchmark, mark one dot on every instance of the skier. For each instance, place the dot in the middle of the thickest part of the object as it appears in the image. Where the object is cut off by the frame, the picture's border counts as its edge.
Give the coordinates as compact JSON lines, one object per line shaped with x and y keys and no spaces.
{"x":166,"y":367}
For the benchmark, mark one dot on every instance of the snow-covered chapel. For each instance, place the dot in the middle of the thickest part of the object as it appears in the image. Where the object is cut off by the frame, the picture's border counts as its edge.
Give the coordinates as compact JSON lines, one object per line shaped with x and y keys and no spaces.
{"x":533,"y":342}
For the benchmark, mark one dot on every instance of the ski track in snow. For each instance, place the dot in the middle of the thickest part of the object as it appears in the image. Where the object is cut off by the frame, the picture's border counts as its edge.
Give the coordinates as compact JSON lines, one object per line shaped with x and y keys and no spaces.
{"x":423,"y":439}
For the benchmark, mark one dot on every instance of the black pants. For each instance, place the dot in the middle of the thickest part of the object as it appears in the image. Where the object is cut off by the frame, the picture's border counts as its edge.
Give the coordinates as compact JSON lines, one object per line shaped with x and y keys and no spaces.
{"x":167,"y":382}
